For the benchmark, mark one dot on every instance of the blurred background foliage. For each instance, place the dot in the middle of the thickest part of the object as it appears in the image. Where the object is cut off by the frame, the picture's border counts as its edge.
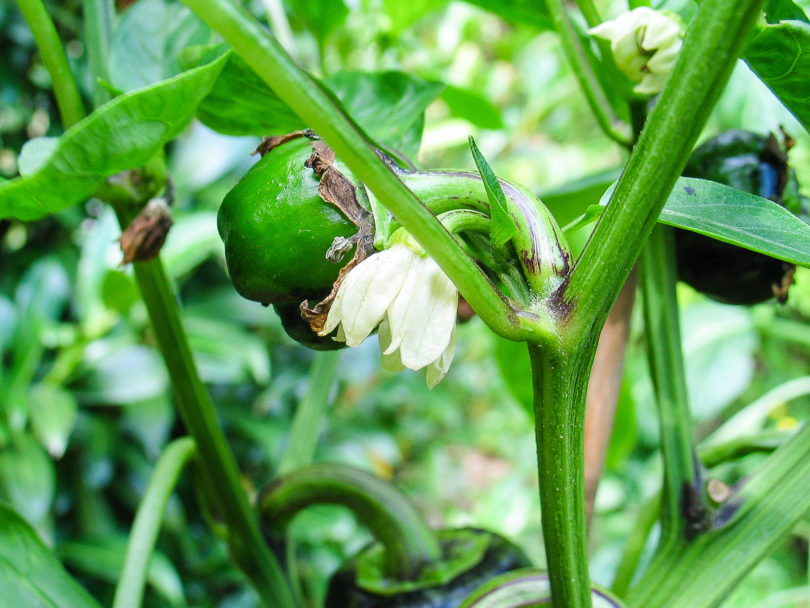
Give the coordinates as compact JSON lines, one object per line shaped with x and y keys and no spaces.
{"x":85,"y":404}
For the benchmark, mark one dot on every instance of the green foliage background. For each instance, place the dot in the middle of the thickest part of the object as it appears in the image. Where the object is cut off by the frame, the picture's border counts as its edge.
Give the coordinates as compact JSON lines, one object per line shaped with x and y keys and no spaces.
{"x":84,"y":397}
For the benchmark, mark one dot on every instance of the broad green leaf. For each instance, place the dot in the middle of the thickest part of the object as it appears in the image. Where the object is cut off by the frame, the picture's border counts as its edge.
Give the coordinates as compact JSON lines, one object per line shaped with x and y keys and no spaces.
{"x":503,"y":227}
{"x":783,"y":10}
{"x":389,"y":106}
{"x":472,"y":107}
{"x":122,"y":134}
{"x":780,"y":55}
{"x":519,"y":12}
{"x":321,"y":17}
{"x":147,"y":41}
{"x":53,"y":413}
{"x":735,"y":217}
{"x":240,"y":103}
{"x":30,"y":575}
{"x":403,"y":14}
{"x":34,"y":153}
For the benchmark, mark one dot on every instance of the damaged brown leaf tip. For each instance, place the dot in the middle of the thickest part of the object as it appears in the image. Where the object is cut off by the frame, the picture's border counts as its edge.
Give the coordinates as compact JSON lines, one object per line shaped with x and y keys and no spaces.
{"x":144,"y":237}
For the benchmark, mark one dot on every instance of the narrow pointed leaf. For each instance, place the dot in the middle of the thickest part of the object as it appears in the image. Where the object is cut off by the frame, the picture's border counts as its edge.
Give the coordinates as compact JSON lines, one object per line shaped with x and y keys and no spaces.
{"x":503,"y":227}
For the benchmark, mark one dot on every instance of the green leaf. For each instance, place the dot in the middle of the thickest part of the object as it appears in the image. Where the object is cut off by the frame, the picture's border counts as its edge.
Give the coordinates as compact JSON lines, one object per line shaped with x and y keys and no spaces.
{"x":27,"y":478}
{"x":403,"y":14}
{"x":30,"y":576}
{"x":240,"y":103}
{"x":783,"y":10}
{"x":472,"y":107}
{"x":53,"y":412}
{"x":121,"y":374}
{"x":516,"y":371}
{"x":503,"y":227}
{"x":147,"y":41}
{"x":735,"y":217}
{"x":122,"y":134}
{"x":34,"y":153}
{"x":570,"y":200}
{"x":780,"y":55}
{"x":519,"y":12}
{"x":103,"y":558}
{"x":389,"y":106}
{"x":321,"y":17}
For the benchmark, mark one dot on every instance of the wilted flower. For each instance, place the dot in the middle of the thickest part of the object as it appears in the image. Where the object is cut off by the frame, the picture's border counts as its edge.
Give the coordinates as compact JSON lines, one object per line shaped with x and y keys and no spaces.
{"x":406,"y":294}
{"x":645,"y":45}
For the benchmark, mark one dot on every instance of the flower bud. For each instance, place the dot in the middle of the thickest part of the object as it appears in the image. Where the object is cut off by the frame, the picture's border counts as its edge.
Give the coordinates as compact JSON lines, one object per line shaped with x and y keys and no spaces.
{"x":645,"y":45}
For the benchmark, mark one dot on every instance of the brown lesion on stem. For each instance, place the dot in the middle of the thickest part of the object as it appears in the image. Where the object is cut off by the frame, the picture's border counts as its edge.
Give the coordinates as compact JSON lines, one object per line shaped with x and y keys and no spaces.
{"x":337,"y":189}
{"x":604,"y":387}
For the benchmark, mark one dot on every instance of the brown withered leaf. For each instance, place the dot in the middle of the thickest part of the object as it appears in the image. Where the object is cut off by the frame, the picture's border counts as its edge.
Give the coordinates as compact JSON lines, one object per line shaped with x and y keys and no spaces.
{"x":144,"y":237}
{"x":336,"y":188}
{"x":274,"y":141}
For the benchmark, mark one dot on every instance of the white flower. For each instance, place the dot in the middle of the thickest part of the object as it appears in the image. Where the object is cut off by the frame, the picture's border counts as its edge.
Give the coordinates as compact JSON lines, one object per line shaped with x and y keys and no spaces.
{"x":645,"y":45}
{"x":412,"y":301}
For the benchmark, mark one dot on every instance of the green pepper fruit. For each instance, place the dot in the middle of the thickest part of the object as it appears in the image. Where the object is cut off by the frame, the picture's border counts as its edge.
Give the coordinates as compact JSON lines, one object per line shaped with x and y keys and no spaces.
{"x":277,"y":229}
{"x":471,"y":557}
{"x":752,"y":163}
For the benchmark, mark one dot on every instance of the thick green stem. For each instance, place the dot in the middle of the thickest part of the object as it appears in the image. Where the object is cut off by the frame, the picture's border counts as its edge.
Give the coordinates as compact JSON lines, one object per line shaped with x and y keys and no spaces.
{"x":98,"y":19}
{"x":657,"y":272}
{"x":129,"y":591}
{"x":583,"y":72}
{"x":389,"y":515}
{"x":560,"y":379}
{"x":220,"y":473}
{"x":710,"y":50}
{"x":298,"y":90}
{"x":309,"y":415}
{"x":53,"y":56}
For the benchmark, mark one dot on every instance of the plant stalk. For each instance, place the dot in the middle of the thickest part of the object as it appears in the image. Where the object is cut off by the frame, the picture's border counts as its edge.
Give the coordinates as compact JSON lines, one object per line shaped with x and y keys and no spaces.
{"x":144,"y":533}
{"x":594,"y":94}
{"x":560,"y":380}
{"x":71,"y":108}
{"x":306,"y":424}
{"x":220,"y":473}
{"x":657,"y":269}
{"x":388,"y":514}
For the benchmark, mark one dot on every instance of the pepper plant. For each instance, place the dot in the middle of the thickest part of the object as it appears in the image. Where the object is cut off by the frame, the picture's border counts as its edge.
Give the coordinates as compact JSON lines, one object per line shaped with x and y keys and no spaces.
{"x":651,"y":80}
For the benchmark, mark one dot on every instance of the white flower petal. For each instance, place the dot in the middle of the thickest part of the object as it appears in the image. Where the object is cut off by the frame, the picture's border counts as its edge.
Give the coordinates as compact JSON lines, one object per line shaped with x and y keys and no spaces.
{"x":438,"y":369}
{"x":423,"y":316}
{"x":366,"y":293}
